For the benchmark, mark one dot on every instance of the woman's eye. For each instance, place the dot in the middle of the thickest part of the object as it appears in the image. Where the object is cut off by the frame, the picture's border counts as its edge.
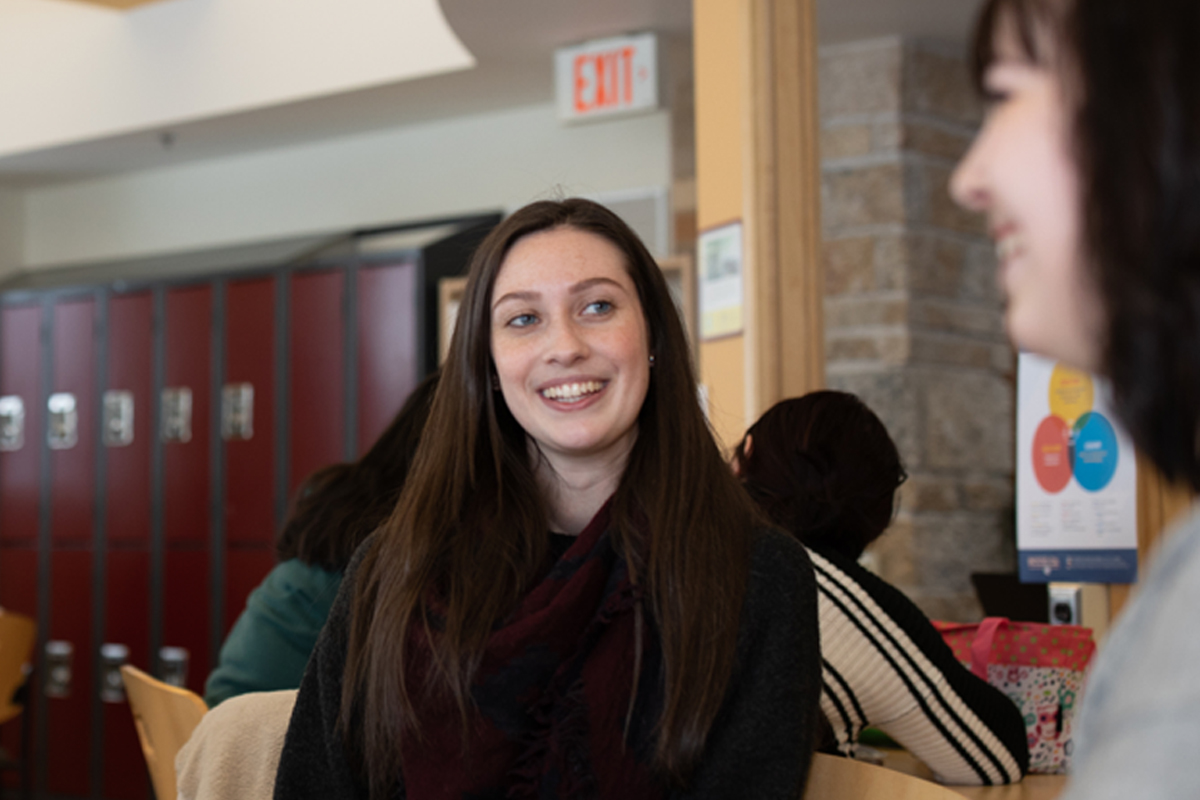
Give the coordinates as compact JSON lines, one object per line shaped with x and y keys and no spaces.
{"x":598,"y":307}
{"x":993,"y":97}
{"x":522,"y":320}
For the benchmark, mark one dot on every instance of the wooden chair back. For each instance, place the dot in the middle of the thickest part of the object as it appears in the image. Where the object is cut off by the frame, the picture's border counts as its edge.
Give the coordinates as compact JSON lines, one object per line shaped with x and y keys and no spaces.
{"x":836,"y":778}
{"x":18,"y":634}
{"x":165,"y":717}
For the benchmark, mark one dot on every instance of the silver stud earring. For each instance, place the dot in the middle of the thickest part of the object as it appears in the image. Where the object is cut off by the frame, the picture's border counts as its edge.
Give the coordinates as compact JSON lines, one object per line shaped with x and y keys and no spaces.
{"x":652,"y":359}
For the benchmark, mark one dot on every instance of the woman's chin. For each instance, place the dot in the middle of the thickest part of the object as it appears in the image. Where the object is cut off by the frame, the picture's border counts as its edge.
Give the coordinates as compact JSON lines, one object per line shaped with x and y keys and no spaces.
{"x":1072,"y":351}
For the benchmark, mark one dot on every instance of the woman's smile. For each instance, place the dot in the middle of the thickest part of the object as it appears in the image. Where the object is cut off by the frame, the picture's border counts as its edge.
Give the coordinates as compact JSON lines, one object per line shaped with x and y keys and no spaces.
{"x":574,"y":392}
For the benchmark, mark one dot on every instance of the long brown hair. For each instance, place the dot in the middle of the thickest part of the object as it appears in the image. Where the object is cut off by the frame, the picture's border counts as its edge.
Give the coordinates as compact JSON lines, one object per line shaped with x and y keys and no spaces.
{"x":471,"y":527}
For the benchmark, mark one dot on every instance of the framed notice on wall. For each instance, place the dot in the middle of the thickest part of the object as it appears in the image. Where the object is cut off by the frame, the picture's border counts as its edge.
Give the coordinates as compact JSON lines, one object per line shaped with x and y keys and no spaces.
{"x":1076,"y":479}
{"x":720,"y":274}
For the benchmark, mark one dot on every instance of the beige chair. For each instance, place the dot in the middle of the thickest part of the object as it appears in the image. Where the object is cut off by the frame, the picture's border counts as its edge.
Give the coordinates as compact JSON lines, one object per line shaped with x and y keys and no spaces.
{"x":18,"y":634}
{"x":165,"y":717}
{"x":836,"y":778}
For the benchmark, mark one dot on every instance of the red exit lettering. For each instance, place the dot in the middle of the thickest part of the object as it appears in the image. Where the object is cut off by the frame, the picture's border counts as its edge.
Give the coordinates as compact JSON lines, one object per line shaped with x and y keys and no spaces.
{"x":603,"y":80}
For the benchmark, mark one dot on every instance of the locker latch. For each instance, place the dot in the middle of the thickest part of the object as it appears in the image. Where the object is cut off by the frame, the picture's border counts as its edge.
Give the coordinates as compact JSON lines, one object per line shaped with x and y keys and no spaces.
{"x":12,"y":423}
{"x":62,"y":431}
{"x":177,"y":414}
{"x":59,"y":655}
{"x":173,"y":665}
{"x":112,"y":685}
{"x":118,"y":418}
{"x":237,"y":411}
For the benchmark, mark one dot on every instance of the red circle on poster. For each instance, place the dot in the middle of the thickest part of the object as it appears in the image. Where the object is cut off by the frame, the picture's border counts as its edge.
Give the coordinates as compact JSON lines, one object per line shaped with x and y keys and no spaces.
{"x":1052,"y":460}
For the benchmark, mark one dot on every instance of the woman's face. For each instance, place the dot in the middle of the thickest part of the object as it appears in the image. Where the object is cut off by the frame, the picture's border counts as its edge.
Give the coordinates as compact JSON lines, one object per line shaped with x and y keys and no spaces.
{"x":1021,"y":174}
{"x":570,"y":346}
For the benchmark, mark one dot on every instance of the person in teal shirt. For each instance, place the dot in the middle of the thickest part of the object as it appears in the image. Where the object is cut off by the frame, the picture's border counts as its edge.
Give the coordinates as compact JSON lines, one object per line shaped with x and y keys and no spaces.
{"x":334,"y":510}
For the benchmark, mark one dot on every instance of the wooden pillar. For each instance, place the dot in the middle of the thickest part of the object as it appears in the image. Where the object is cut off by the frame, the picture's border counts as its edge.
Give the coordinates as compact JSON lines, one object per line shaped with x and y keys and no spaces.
{"x":757,"y":162}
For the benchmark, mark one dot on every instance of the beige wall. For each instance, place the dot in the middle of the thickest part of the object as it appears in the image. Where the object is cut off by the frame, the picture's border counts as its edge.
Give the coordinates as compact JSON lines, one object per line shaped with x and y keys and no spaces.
{"x":462,"y":165}
{"x":12,"y":231}
{"x":757,"y":163}
{"x":720,"y":78}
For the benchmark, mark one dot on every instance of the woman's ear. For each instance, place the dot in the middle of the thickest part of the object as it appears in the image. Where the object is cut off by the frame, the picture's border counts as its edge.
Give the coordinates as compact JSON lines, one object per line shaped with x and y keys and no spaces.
{"x":747,"y":447}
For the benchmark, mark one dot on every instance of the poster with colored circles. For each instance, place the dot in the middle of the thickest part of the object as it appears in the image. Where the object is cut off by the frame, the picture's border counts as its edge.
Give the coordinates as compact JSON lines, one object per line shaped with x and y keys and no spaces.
{"x":1076,"y":479}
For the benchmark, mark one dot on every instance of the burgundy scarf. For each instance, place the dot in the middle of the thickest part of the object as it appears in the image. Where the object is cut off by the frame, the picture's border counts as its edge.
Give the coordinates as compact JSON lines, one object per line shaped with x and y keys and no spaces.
{"x":552,"y":693}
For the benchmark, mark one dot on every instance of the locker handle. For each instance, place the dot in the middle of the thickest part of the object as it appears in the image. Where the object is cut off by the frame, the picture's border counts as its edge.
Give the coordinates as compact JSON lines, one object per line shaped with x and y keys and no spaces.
{"x":112,"y":657}
{"x":173,"y":665}
{"x":59,"y":655}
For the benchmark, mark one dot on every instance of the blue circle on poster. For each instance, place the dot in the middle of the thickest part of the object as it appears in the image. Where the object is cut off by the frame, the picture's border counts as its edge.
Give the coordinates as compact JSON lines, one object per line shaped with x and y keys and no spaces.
{"x":1096,"y":451}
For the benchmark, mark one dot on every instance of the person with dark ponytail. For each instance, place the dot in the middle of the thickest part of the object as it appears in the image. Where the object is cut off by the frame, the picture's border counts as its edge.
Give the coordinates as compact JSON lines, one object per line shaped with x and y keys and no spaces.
{"x":824,"y":468}
{"x":334,"y":510}
{"x":573,"y":598}
{"x":1088,"y":170}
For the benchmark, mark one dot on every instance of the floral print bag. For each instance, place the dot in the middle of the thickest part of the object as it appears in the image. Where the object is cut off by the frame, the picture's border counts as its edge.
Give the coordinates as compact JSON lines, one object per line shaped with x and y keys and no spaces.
{"x":1040,"y":667}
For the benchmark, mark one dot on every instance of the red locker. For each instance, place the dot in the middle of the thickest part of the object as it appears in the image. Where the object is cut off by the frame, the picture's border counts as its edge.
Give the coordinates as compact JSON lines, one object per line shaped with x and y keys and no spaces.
{"x":18,"y":580}
{"x":69,"y":718}
{"x":20,"y":375}
{"x":250,"y":463}
{"x":388,"y":354}
{"x":315,"y":391}
{"x":127,"y":527}
{"x":73,"y":469}
{"x":18,"y":592}
{"x":186,"y":609}
{"x":186,"y":481}
{"x":20,"y":495}
{"x":188,"y":345}
{"x":130,"y":369}
{"x":72,"y":508}
{"x":128,"y":598}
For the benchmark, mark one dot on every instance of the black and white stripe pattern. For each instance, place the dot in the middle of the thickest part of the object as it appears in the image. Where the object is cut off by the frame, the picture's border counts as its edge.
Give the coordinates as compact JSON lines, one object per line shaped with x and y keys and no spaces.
{"x":883,"y":664}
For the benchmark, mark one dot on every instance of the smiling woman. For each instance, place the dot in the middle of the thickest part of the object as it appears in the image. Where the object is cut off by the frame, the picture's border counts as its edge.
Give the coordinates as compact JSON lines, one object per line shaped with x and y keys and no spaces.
{"x":573,"y":596}
{"x":570,"y":346}
{"x":1088,"y":167}
{"x":1021,"y":173}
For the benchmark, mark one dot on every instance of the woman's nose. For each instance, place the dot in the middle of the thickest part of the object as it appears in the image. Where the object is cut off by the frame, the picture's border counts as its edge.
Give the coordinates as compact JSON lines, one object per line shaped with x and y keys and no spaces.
{"x":567,"y":343}
{"x":968,"y":185}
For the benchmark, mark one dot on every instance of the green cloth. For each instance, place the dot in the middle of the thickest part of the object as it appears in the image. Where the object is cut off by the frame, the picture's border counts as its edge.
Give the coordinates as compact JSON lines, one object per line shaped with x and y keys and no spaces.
{"x":270,"y":643}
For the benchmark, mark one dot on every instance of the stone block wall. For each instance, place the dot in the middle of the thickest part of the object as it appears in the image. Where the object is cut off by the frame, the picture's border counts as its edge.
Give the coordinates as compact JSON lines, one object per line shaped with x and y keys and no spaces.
{"x":913,"y":319}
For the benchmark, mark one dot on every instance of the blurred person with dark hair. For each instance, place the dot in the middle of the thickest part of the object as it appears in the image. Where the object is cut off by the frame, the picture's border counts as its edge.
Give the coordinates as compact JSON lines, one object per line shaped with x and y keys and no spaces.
{"x":1087,"y":168}
{"x":334,"y":510}
{"x":824,"y":468}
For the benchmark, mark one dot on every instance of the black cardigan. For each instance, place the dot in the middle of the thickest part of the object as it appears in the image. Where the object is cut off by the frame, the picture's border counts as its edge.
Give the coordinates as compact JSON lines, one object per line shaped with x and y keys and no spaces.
{"x":759,"y":746}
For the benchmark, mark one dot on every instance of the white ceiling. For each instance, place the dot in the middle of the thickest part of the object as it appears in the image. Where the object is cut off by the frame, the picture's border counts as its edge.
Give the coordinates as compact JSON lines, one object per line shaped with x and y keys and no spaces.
{"x":512,"y":40}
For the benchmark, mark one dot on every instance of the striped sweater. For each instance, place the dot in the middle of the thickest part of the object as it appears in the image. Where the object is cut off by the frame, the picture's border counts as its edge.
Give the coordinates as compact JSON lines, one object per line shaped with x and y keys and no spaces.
{"x":884,"y":665}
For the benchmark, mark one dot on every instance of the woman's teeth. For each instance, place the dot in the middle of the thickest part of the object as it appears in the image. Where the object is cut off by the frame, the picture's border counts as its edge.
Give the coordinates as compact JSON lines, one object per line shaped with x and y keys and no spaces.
{"x":572,"y":392}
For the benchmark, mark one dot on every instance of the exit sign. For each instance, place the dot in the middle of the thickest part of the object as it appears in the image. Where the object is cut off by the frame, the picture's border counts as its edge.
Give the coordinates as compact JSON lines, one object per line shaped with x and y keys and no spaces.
{"x":607,"y":77}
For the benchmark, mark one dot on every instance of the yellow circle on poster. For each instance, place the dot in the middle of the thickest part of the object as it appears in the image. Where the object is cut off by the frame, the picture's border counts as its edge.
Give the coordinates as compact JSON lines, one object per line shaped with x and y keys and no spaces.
{"x":1071,"y":393}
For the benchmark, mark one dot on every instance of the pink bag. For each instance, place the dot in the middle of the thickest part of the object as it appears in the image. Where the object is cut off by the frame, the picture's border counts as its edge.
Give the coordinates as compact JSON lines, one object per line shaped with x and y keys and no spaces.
{"x":1040,"y":667}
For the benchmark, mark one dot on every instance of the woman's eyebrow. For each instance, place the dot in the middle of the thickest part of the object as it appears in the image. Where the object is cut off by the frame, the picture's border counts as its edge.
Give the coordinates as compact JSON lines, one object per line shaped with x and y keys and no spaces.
{"x":525,"y":296}
{"x":583,"y":286}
